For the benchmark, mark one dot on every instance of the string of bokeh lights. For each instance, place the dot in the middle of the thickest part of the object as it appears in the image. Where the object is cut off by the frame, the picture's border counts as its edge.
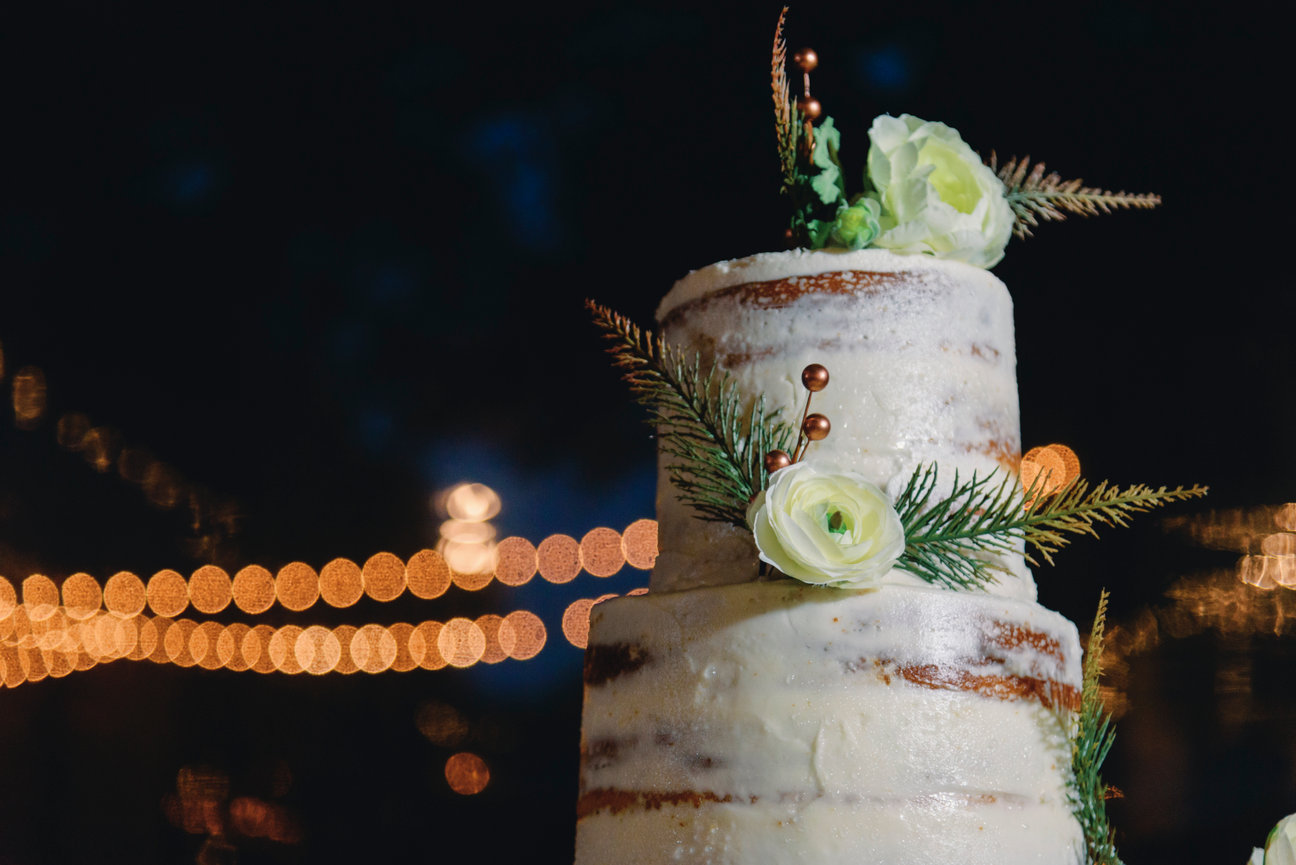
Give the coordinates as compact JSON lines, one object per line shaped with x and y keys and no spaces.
{"x":48,"y":630}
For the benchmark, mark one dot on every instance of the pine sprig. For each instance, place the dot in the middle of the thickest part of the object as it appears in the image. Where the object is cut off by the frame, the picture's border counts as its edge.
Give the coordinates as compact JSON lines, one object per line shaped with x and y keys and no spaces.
{"x":1092,"y":737}
{"x":952,"y":542}
{"x":718,"y":450}
{"x":1038,"y":197}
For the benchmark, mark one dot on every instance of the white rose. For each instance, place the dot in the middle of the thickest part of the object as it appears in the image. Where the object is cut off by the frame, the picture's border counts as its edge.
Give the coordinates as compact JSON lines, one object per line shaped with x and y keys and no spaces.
{"x":1280,"y":848}
{"x":825,"y":525}
{"x":937,"y":196}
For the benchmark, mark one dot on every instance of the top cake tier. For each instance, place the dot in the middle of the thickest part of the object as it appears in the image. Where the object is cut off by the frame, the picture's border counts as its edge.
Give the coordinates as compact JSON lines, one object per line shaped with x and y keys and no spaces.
{"x":922,"y":364}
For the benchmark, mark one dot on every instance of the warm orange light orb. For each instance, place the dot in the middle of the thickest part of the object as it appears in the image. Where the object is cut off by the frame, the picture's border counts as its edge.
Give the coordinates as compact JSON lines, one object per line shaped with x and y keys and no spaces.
{"x":466,"y":773}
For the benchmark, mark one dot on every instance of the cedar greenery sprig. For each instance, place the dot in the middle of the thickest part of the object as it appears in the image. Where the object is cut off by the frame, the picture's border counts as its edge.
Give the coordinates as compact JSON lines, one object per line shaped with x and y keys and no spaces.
{"x":1092,"y":737}
{"x":718,"y":449}
{"x":950,"y":542}
{"x":1035,"y":196}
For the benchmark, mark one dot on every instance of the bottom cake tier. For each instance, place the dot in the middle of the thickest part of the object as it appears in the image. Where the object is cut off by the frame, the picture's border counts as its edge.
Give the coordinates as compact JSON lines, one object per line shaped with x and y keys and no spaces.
{"x":777,"y":723}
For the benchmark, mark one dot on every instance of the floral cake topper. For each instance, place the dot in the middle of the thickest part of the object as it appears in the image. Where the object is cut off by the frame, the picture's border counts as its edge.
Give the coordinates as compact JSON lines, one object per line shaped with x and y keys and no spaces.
{"x":1280,"y":846}
{"x":925,"y":191}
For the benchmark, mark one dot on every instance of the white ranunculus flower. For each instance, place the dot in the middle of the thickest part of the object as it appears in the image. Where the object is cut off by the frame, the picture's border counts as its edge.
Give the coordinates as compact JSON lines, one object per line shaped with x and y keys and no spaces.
{"x":937,"y":196}
{"x":1280,"y":848}
{"x":825,"y":525}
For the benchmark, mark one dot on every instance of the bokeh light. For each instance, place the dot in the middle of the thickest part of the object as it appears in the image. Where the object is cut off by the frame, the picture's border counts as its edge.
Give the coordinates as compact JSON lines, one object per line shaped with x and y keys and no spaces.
{"x":529,"y":635}
{"x":8,"y":598}
{"x":424,"y":646}
{"x":82,"y":596}
{"x":428,"y":575}
{"x":297,"y":586}
{"x":515,"y":561}
{"x":167,"y":594}
{"x":472,"y":502}
{"x":210,"y":590}
{"x":256,"y":648}
{"x":461,"y":642}
{"x":600,"y":552}
{"x":71,"y":429}
{"x":161,"y":627}
{"x":203,"y":645}
{"x":176,"y":642}
{"x":576,"y":620}
{"x":384,"y":577}
{"x":639,"y":544}
{"x":559,"y":558}
{"x":147,"y":639}
{"x":467,"y":537}
{"x":283,"y":649}
{"x":441,"y":724}
{"x":473,"y":580}
{"x":57,"y":630}
{"x":373,"y":648}
{"x":229,"y":647}
{"x":1049,"y":468}
{"x":400,"y":634}
{"x":498,"y":634}
{"x":318,"y":650}
{"x":124,"y":594}
{"x":254,"y":589}
{"x":30,"y":398}
{"x":40,"y":597}
{"x":466,"y":773}
{"x":346,"y":664}
{"x":341,"y":583}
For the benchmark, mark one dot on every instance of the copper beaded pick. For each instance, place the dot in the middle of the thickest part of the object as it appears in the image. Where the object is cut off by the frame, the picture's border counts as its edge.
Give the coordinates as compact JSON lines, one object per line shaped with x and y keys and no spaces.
{"x":806,"y":59}
{"x":814,"y":427}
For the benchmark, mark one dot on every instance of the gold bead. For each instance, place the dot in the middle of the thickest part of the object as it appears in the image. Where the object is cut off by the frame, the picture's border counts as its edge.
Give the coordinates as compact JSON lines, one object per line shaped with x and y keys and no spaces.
{"x":806,"y":59}
{"x":816,"y":427}
{"x":809,"y":107}
{"x":815,"y":377}
{"x":775,"y":460}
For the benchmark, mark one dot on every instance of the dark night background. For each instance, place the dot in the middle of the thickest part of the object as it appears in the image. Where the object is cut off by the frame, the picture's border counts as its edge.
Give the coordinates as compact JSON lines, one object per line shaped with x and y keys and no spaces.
{"x":325,"y":259}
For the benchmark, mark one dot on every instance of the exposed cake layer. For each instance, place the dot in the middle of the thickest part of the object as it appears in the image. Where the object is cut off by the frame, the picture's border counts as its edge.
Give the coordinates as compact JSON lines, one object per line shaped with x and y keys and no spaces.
{"x":923,"y":369}
{"x":780,"y":723}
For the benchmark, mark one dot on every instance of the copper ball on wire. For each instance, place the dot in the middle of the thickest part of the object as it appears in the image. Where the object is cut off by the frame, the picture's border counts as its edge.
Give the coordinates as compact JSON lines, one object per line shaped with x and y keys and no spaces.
{"x":814,"y":377}
{"x":809,"y":107}
{"x":816,"y":427}
{"x":807,"y":59}
{"x":775,"y":460}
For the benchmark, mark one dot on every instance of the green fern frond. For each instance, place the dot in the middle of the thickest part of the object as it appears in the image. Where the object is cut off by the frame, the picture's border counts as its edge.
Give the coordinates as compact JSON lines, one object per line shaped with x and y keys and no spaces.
{"x":952,"y":542}
{"x":717,"y":450}
{"x":1036,"y":197}
{"x":1092,"y":738}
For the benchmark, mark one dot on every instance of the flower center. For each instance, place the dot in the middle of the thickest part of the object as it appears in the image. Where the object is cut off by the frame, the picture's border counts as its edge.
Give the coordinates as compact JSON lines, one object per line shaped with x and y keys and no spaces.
{"x":836,"y":521}
{"x":951,"y":177}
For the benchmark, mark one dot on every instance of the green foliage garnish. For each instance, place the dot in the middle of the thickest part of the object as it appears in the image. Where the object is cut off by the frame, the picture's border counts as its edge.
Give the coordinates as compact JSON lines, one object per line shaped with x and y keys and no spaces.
{"x":811,"y":171}
{"x":950,"y":542}
{"x":718,"y":449}
{"x":1092,"y":738}
{"x":828,"y":184}
{"x":1035,"y":196}
{"x":719,"y":464}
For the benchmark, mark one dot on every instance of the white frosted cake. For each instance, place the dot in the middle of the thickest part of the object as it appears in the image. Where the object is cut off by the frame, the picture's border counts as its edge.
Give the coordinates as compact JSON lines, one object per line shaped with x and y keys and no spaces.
{"x":731,"y":718}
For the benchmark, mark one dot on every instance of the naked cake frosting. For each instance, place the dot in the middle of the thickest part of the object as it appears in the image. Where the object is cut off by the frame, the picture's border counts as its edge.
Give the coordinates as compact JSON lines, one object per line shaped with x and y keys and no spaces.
{"x":731,"y":718}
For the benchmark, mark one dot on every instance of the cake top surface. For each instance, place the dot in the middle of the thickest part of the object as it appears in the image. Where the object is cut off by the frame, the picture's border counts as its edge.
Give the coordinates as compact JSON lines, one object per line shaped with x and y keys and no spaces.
{"x":792,"y":263}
